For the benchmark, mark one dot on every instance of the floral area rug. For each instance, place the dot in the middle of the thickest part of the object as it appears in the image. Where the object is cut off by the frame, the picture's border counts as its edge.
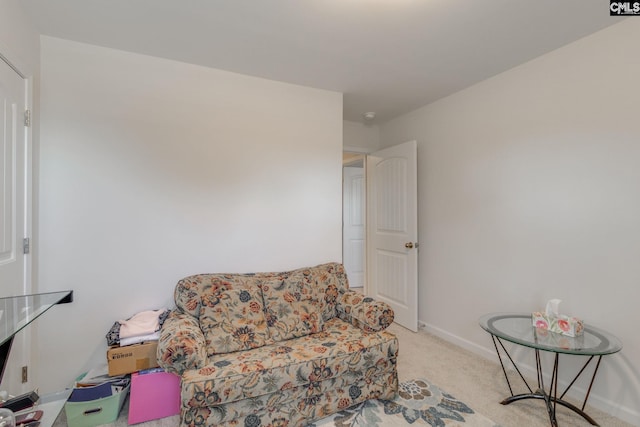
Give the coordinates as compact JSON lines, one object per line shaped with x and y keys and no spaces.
{"x":419,"y":403}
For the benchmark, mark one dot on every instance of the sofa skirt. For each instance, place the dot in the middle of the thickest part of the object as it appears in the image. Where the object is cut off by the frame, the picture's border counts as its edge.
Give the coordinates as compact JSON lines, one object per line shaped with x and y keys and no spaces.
{"x":294,"y":382}
{"x":296,"y":407}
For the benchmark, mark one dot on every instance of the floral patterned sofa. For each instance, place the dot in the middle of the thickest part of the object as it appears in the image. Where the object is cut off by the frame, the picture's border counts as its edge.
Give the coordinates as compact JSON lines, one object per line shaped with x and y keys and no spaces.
{"x":276,"y":349}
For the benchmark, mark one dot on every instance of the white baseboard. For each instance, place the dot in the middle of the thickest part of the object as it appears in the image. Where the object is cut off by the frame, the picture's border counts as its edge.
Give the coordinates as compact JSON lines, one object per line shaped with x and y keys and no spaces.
{"x":460,"y":342}
{"x":629,"y":415}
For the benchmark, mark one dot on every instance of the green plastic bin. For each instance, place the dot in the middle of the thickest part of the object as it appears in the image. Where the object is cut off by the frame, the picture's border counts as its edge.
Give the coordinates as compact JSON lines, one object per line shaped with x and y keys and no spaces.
{"x":95,"y":412}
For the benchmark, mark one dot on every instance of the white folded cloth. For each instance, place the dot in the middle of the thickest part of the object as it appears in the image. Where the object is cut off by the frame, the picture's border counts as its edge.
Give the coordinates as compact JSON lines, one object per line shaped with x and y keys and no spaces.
{"x":140,"y":338}
{"x":143,"y":323}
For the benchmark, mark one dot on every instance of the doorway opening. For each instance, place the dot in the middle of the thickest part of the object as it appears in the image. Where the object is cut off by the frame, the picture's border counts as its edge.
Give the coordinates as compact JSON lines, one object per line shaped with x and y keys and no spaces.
{"x":354,"y":219}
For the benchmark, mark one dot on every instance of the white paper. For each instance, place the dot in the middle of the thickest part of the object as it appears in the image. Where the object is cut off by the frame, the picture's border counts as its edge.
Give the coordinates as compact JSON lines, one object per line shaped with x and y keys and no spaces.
{"x":552,"y":307}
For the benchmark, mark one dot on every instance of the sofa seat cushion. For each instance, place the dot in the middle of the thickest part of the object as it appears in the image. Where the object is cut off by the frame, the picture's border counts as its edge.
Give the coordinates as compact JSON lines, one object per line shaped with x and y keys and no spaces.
{"x":340,"y":350}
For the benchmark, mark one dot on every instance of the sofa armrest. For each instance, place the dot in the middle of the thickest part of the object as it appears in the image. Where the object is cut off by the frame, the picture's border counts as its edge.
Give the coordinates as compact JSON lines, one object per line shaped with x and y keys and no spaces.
{"x":182,"y":345}
{"x":364,"y":312}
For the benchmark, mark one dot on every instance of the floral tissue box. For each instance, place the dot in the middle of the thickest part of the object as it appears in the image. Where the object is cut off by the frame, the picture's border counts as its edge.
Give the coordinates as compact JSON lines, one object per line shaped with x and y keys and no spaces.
{"x":565,"y":325}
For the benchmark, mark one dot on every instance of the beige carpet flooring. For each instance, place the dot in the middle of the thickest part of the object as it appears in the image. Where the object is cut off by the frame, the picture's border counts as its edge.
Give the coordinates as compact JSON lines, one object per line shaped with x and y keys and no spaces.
{"x":474,"y":380}
{"x":480,"y":383}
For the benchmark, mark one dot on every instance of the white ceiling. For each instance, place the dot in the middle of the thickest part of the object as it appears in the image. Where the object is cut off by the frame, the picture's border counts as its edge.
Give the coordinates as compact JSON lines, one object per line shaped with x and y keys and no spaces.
{"x":387,"y":56}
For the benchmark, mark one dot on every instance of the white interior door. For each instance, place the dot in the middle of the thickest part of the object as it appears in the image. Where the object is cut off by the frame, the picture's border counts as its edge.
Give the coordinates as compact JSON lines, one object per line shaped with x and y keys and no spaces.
{"x":13,"y":208}
{"x":392,"y":230}
{"x":353,"y":220}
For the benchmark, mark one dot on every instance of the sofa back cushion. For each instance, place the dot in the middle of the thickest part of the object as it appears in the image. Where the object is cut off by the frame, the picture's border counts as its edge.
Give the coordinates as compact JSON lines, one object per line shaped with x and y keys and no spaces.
{"x":242,"y":311}
{"x":298,"y":302}
{"x":230,"y":310}
{"x":292,"y":307}
{"x":234,"y":320}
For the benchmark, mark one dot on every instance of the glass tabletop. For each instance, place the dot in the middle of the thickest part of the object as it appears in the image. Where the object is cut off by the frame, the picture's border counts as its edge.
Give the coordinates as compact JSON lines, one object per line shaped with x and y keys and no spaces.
{"x":18,"y":311}
{"x":518,"y":328}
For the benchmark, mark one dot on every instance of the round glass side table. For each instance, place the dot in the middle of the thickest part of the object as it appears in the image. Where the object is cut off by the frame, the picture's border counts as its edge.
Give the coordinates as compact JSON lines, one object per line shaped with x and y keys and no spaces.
{"x":518,"y":329}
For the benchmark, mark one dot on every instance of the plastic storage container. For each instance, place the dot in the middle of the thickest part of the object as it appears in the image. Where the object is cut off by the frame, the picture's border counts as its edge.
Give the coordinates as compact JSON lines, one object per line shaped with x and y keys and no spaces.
{"x":154,"y":395}
{"x":95,"y":412}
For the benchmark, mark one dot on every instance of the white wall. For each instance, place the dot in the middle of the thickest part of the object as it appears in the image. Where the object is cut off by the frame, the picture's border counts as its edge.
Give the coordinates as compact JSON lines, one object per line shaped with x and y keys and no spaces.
{"x":529,"y":189}
{"x":19,"y":41}
{"x":152,"y":170}
{"x":360,"y":137}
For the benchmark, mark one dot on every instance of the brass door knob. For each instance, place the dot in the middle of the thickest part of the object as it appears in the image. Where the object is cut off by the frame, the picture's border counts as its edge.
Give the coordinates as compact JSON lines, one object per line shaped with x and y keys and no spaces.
{"x":408,"y":245}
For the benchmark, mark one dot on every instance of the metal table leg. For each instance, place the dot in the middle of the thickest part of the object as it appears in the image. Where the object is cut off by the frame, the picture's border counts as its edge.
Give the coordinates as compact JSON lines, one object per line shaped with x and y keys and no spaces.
{"x":551,"y":397}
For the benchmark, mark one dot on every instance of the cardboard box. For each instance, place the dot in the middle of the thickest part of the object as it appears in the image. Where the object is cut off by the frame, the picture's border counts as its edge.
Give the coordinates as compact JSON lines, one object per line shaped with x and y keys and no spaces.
{"x":154,"y":395}
{"x":132,"y":358}
{"x":561,"y":324}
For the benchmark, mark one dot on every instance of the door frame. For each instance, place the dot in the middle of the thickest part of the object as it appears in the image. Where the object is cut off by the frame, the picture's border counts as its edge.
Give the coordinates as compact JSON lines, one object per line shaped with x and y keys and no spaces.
{"x":362,"y":152}
{"x":19,"y":68}
{"x":358,"y":163}
{"x":24,"y":343}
